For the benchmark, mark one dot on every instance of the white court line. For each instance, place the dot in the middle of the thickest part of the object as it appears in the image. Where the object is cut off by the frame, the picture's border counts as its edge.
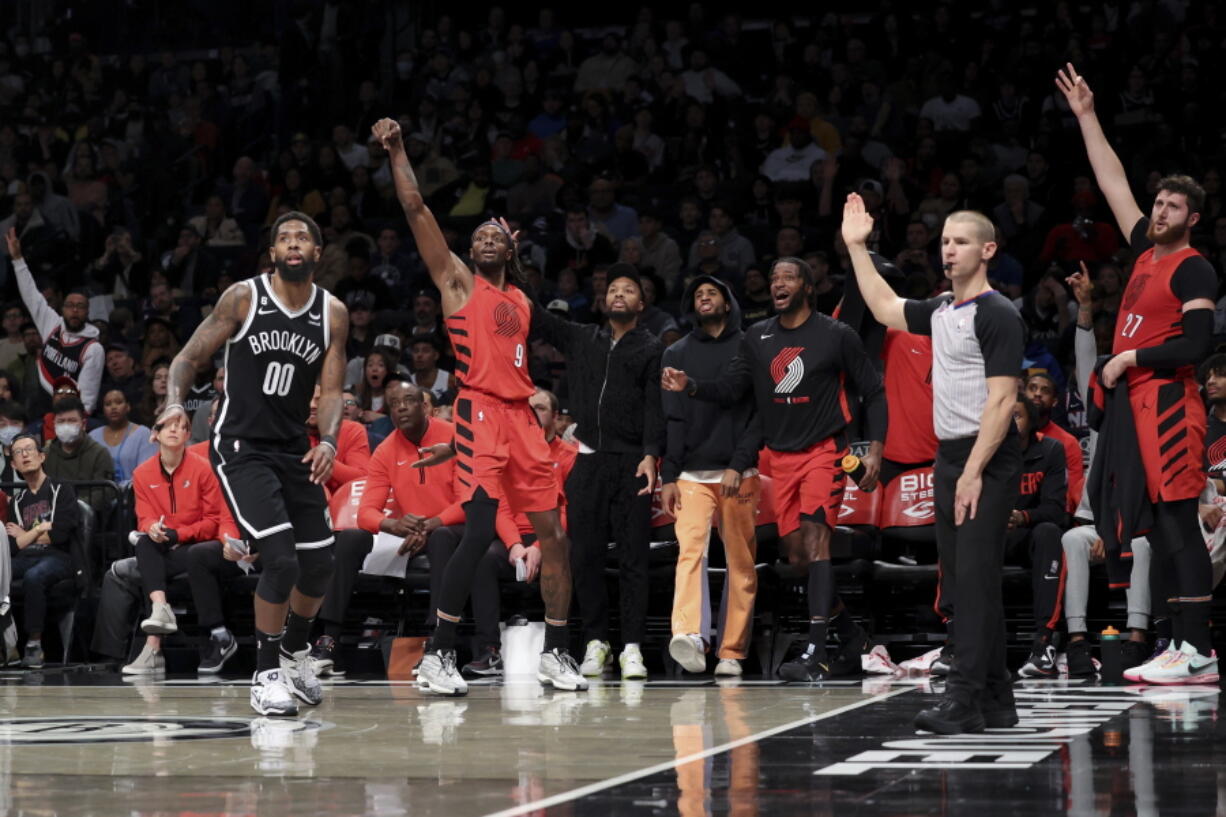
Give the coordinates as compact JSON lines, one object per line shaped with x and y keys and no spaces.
{"x":629,"y":777}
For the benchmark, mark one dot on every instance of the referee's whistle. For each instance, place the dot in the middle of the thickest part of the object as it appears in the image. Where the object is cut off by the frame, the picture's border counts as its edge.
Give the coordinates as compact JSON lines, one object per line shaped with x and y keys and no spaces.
{"x":853,"y":468}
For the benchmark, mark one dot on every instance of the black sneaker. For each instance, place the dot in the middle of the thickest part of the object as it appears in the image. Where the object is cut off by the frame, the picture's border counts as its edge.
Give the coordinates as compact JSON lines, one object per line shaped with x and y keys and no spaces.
{"x":1133,"y":653}
{"x":950,"y":717}
{"x":1081,"y":658}
{"x":216,"y":653}
{"x":806,"y":668}
{"x":999,"y":708}
{"x":847,"y":660}
{"x":487,"y":665}
{"x":1041,"y":663}
{"x":940,"y":668}
{"x":324,"y":658}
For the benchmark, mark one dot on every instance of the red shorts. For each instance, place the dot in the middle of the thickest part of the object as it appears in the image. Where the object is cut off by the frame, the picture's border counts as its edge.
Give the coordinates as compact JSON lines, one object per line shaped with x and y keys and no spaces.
{"x":1170,"y":420}
{"x":501,"y":447}
{"x":808,"y":484}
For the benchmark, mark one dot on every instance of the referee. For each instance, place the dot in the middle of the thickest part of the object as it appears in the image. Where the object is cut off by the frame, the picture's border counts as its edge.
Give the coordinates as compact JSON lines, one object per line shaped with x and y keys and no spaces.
{"x":977,"y":342}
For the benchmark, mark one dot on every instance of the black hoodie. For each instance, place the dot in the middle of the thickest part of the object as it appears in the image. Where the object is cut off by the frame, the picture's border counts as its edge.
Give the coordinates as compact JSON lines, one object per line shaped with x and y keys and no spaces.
{"x":705,"y":436}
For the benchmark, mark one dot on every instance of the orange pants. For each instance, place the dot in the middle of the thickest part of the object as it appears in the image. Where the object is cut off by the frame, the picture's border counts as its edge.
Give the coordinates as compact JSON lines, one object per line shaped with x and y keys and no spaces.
{"x":735,"y":516}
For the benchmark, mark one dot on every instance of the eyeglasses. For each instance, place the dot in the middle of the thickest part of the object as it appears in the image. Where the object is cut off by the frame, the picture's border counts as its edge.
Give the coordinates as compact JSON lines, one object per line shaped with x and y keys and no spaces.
{"x":26,"y":451}
{"x":65,"y":391}
{"x":350,"y":402}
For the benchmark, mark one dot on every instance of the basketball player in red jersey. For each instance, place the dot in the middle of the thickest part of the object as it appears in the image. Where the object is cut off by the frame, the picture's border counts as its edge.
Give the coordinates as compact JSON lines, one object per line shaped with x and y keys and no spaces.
{"x":1163,"y":331}
{"x":501,"y":453}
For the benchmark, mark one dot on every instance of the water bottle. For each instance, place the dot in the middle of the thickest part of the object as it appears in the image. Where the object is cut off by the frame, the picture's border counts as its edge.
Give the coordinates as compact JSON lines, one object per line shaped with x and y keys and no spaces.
{"x":1111,"y":654}
{"x":853,"y":468}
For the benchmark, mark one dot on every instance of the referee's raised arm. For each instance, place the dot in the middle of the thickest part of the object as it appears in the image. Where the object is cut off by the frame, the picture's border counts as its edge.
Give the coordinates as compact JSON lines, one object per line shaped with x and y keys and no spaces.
{"x":887,"y":307}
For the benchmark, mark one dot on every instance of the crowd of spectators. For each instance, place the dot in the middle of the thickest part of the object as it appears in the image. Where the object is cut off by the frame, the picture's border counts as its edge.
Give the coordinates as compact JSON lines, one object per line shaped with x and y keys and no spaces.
{"x":683,"y":143}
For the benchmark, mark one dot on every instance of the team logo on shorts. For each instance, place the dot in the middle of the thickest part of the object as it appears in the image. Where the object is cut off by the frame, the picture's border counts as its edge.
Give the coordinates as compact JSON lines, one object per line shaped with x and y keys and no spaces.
{"x":787,"y":369}
{"x":507,"y":320}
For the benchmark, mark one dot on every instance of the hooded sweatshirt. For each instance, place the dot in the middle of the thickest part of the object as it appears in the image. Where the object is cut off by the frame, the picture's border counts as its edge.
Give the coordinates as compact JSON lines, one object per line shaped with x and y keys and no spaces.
{"x":701,"y":435}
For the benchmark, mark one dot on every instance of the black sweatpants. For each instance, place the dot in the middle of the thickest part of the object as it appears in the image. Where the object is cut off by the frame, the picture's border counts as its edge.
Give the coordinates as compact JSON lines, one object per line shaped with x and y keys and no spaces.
{"x":352,"y":548}
{"x":1040,"y":549}
{"x":207,"y":571}
{"x":485,"y":596}
{"x":157,"y":561}
{"x":602,"y":505}
{"x":972,"y":555}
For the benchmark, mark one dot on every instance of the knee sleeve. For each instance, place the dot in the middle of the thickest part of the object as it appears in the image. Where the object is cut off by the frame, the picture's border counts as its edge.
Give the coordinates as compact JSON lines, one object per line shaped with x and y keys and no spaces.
{"x":314,"y":571}
{"x":280,"y":567}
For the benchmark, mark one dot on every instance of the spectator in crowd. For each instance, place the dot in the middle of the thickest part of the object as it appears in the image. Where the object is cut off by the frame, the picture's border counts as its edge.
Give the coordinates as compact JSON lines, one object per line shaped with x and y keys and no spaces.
{"x":380,"y":363}
{"x":426,"y":351}
{"x":153,"y":397}
{"x":609,"y":218}
{"x":13,"y":421}
{"x":791,"y":162}
{"x":121,"y":373}
{"x":950,"y":111}
{"x":127,"y":442}
{"x":582,"y":248}
{"x":1041,"y":390}
{"x":12,"y":346}
{"x":352,"y":449}
{"x":45,"y":518}
{"x":659,"y":250}
{"x":74,"y":457}
{"x":189,"y":267}
{"x":70,"y":345}
{"x":215,"y":227}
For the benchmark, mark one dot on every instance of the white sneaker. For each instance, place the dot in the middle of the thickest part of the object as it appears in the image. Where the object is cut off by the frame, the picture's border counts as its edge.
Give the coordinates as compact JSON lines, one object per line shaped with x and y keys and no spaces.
{"x":270,"y":694}
{"x":161,"y":620}
{"x":689,"y":651}
{"x":301,"y":678}
{"x":631,"y":661}
{"x":149,"y":662}
{"x":1187,"y":666}
{"x":728,"y":668}
{"x":596,"y":659}
{"x":1156,"y":660}
{"x":437,"y":673}
{"x":877,"y":662}
{"x":558,"y":670}
{"x":922,"y":663}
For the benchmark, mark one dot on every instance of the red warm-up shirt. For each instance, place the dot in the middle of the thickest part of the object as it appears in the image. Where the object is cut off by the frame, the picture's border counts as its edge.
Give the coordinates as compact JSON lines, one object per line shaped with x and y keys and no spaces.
{"x":425,"y":492}
{"x":189,"y":500}
{"x":909,"y":438}
{"x":352,"y":454}
{"x":1072,"y":460}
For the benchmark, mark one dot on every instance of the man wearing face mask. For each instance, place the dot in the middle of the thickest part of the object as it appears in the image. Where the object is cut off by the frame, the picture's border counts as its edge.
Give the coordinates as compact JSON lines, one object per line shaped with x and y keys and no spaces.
{"x":73,"y":456}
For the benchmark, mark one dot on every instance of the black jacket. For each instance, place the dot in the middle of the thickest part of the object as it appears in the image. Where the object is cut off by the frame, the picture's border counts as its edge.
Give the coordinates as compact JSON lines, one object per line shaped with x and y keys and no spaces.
{"x":614,"y":389}
{"x":704,"y":436}
{"x":1044,"y":483}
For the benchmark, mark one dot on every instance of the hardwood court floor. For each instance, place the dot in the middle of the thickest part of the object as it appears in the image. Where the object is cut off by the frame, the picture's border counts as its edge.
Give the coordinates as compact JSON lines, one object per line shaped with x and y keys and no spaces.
{"x":77,"y":744}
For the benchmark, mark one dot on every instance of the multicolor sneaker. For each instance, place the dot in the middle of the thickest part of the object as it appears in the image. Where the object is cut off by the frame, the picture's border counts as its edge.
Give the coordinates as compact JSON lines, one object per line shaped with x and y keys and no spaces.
{"x":1187,"y":666}
{"x":1164,"y":650}
{"x":558,"y":669}
{"x":597,"y":658}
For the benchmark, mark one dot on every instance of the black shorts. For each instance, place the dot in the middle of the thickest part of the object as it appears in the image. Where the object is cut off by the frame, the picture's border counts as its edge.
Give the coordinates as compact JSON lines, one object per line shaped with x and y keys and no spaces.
{"x":269,"y":490}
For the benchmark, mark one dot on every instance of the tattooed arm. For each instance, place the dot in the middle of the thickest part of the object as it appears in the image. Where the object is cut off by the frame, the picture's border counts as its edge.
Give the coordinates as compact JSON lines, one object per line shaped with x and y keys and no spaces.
{"x":451,"y":275}
{"x":331,"y":385}
{"x":197,"y":354}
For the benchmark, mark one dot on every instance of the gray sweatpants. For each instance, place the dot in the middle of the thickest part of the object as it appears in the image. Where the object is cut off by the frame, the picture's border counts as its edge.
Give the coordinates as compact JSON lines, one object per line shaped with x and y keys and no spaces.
{"x":1077,"y":542}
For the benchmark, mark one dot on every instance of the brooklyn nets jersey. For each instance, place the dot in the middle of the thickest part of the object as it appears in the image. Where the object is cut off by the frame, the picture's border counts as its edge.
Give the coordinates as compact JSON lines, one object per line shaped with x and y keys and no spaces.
{"x":272,"y":365}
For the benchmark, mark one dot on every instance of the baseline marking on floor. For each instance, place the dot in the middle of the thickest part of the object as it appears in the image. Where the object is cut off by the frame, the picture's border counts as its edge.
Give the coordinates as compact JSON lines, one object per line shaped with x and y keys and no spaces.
{"x":668,"y":765}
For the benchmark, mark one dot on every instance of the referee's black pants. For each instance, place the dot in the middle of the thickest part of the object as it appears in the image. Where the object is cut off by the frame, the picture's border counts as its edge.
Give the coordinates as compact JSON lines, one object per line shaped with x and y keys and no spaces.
{"x":972,"y":555}
{"x":603,"y":505}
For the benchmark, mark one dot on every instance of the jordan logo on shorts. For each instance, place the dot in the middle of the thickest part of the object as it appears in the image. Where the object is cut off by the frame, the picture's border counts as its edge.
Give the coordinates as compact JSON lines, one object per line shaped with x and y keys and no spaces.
{"x":787,"y":369}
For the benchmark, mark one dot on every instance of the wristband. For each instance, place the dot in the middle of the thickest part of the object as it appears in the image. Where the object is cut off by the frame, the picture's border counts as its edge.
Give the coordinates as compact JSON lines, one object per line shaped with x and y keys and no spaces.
{"x":329,"y":441}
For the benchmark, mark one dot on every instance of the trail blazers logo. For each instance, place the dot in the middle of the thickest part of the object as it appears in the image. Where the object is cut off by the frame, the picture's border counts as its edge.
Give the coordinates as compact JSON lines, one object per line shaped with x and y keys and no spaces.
{"x":507,"y":320}
{"x":787,"y":369}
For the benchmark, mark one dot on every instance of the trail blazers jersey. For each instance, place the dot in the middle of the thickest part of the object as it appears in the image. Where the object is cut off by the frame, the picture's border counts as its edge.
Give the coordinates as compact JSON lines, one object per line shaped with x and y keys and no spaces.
{"x":272,"y":365}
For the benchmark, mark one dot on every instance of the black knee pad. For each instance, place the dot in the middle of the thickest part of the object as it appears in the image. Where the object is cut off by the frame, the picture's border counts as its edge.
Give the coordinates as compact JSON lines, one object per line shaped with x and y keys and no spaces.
{"x":314,"y":571}
{"x":279,"y":570}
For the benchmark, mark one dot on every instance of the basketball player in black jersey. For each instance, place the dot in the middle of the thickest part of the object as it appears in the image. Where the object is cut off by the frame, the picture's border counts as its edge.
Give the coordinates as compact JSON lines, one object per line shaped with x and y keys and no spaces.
{"x":282,"y":334}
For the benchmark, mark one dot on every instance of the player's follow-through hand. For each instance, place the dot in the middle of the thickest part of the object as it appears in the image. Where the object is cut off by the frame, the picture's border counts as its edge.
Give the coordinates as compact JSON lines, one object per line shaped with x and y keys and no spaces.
{"x":168,"y":414}
{"x":387,"y":131}
{"x":1078,"y":94}
{"x":434,"y":455}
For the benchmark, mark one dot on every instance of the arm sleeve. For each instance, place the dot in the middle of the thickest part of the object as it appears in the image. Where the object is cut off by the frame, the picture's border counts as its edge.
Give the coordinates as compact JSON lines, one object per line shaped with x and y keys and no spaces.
{"x":42,"y":313}
{"x":1139,"y":242}
{"x":919,"y":315}
{"x":737,"y":380}
{"x":374,"y":497}
{"x":1001,"y":337}
{"x":91,"y":375}
{"x":868,"y":385}
{"x":67,"y":516}
{"x":1085,"y":349}
{"x":745,"y":455}
{"x":1053,"y":494}
{"x":653,"y":410}
{"x":1187,"y":349}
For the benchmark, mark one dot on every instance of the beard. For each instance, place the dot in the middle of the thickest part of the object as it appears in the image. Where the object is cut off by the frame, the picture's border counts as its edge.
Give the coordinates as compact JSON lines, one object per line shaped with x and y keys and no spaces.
{"x":491,"y":269}
{"x":794,"y":303}
{"x":712,"y":318}
{"x":1171,"y":235}
{"x":298,"y":275}
{"x":621,"y":315}
{"x":74,"y":325}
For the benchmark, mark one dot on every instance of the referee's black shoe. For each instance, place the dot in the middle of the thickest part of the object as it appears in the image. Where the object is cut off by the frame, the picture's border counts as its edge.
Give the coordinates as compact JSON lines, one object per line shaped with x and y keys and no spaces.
{"x":950,"y":717}
{"x":806,"y":668}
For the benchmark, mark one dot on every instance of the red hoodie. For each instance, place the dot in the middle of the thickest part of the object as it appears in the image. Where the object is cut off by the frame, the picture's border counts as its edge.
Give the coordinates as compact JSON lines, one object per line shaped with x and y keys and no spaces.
{"x":189,"y":500}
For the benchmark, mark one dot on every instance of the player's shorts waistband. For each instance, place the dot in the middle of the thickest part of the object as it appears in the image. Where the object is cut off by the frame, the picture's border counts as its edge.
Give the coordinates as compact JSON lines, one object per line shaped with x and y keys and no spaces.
{"x":487,"y":399}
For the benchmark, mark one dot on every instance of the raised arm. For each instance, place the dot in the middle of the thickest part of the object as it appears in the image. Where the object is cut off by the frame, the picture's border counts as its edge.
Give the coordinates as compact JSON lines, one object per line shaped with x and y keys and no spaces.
{"x":451,"y":275}
{"x":887,"y":307}
{"x":197,"y":354}
{"x":1108,"y":171}
{"x":45,"y":318}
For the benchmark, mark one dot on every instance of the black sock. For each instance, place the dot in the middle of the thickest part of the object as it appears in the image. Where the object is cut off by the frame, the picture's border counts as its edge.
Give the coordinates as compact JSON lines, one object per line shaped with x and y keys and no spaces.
{"x":817,"y":636}
{"x":268,"y":651}
{"x":1195,"y":619}
{"x":297,"y":631}
{"x":444,"y":635}
{"x":1162,"y":628}
{"x":1042,"y":636}
{"x":821,"y":600}
{"x":557,"y":637}
{"x":845,"y":626}
{"x":1176,"y":617}
{"x":332,"y":630}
